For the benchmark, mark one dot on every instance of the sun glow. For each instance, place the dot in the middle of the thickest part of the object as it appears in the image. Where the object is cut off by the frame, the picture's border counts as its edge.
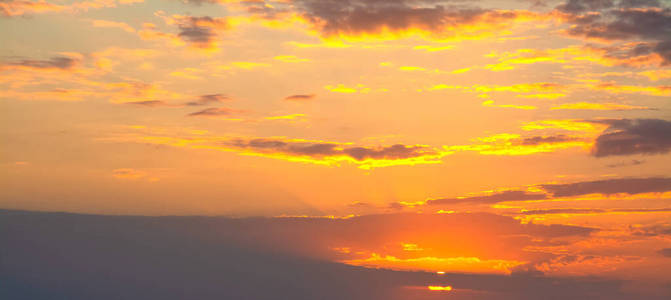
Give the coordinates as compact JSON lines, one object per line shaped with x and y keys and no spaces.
{"x":439,"y":288}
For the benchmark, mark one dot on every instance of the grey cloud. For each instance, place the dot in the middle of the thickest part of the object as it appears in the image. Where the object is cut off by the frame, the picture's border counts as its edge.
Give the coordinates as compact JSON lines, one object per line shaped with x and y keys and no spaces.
{"x":644,"y":21}
{"x":640,"y":136}
{"x":490,"y":199}
{"x":58,"y":62}
{"x":148,"y":103}
{"x":579,"y":6}
{"x":214,"y":112}
{"x":313,"y":149}
{"x":69,"y":256}
{"x":368,"y":16}
{"x":610,"y":186}
{"x":592,"y":211}
{"x":634,"y":162}
{"x":209,"y":99}
{"x":665,"y":252}
{"x":537,"y":140}
{"x":320,"y":149}
{"x":391,"y":152}
{"x":300,"y":97}
{"x":200,"y":31}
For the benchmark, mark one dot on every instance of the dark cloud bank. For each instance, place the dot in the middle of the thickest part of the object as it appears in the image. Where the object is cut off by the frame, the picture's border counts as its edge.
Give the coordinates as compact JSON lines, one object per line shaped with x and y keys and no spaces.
{"x":647,"y":22}
{"x":612,"y":186}
{"x":69,"y":256}
{"x":639,"y":136}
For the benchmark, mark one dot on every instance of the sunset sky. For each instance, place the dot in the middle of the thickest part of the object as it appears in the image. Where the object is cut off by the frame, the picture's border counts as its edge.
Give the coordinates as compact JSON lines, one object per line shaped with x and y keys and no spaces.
{"x":491,"y":137}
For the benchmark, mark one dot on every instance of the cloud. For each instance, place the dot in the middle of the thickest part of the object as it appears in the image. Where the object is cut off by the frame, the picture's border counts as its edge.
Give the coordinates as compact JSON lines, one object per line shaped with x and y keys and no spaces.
{"x":537,"y":140}
{"x":580,"y":211}
{"x":209,"y":99}
{"x":19,"y":8}
{"x":296,"y":150}
{"x":652,"y":231}
{"x":54,"y":63}
{"x":250,"y":258}
{"x":600,"y":106}
{"x":514,"y":144}
{"x":491,"y":198}
{"x":611,"y":87}
{"x":547,"y":90}
{"x":639,"y":136}
{"x":490,"y":103}
{"x":646,"y":22}
{"x":300,"y":97}
{"x":390,"y":19}
{"x":113,"y":24}
{"x":615,"y":55}
{"x":127,"y":173}
{"x":564,"y":124}
{"x":665,"y":252}
{"x":397,"y":151}
{"x":13,"y":8}
{"x":291,"y":117}
{"x":198,"y":32}
{"x":629,"y":186}
{"x":290,"y":59}
{"x":149,"y":103}
{"x":394,"y":152}
{"x":633,"y":162}
{"x":214,"y":112}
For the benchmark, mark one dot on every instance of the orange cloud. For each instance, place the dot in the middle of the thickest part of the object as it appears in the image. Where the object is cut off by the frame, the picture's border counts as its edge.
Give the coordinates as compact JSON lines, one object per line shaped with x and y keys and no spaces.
{"x":514,"y":144}
{"x":599,"y":106}
{"x":13,"y":8}
{"x":112,"y":24}
{"x":610,"y":87}
{"x":490,"y":103}
{"x":448,"y":264}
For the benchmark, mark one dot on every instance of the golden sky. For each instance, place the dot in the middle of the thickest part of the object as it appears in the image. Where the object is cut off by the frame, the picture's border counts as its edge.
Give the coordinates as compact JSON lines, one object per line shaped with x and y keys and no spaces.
{"x":437,"y":135}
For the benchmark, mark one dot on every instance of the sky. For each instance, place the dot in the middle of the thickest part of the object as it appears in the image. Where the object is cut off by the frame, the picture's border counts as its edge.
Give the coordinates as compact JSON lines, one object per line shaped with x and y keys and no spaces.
{"x":494,"y":138}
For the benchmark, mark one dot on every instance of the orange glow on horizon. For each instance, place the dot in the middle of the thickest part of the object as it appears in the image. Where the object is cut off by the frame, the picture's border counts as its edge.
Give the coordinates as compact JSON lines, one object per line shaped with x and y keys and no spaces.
{"x":439,"y":288}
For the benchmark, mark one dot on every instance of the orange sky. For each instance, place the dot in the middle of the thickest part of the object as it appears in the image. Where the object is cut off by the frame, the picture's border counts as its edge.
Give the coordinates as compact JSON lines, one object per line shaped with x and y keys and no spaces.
{"x":484,"y":137}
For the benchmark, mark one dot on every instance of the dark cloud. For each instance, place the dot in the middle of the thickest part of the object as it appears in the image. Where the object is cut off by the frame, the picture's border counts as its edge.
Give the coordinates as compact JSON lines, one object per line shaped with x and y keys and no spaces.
{"x":580,"y":6}
{"x":554,"y":211}
{"x":610,"y":186}
{"x":634,"y":162}
{"x":653,"y":230}
{"x":321,"y":149}
{"x":68,"y":256}
{"x":639,"y":3}
{"x":353,"y":17}
{"x":644,"y":21}
{"x":300,"y":97}
{"x":214,"y":112}
{"x":641,"y":136}
{"x":491,"y":199}
{"x":209,"y":99}
{"x":288,"y":147}
{"x":665,"y":252}
{"x":199,"y":30}
{"x":148,"y":103}
{"x":537,"y":140}
{"x":391,"y":152}
{"x":318,"y":149}
{"x":58,"y":62}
